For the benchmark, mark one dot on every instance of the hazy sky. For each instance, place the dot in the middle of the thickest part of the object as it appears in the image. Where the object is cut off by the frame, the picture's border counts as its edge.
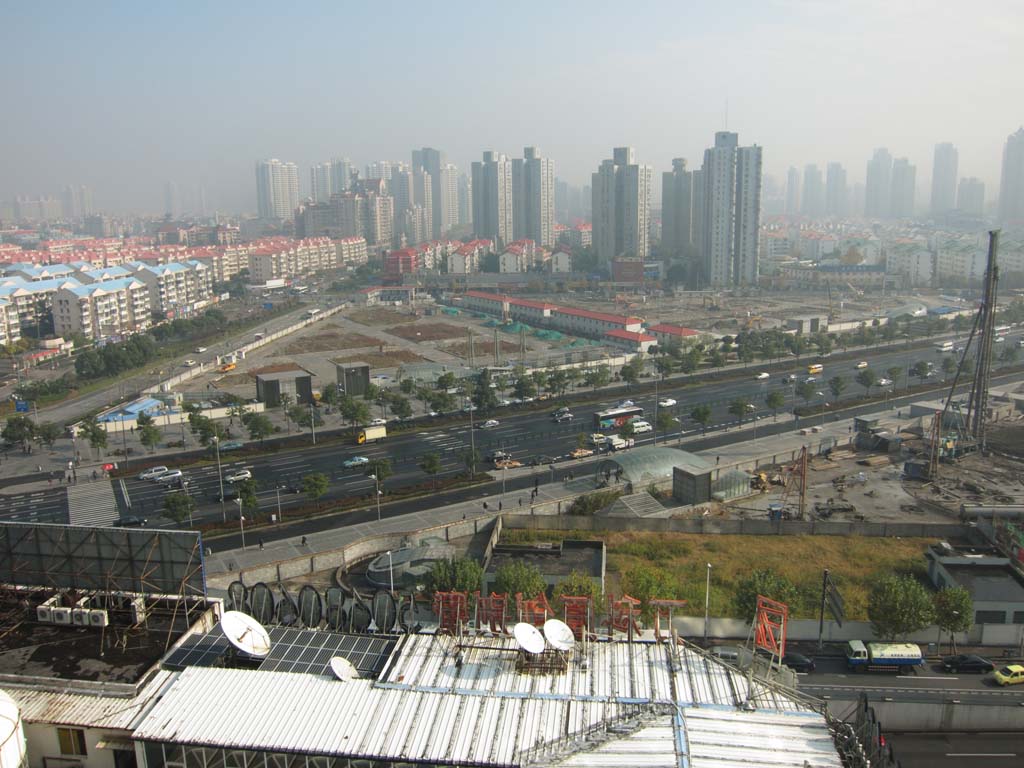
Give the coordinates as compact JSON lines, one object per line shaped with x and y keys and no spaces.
{"x":126,"y":96}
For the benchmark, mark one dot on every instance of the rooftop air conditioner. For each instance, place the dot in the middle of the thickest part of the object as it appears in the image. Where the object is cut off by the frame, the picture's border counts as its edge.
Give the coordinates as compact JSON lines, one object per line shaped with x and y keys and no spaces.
{"x":61,"y":616}
{"x":98,"y":618}
{"x":44,"y":611}
{"x":139,"y":610}
{"x":80,"y":617}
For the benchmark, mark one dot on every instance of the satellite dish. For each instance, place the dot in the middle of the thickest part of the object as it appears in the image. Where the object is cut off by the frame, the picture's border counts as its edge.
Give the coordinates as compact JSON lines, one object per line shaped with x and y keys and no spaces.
{"x":343,"y":669}
{"x":245,"y":633}
{"x":528,"y":637}
{"x":559,"y":635}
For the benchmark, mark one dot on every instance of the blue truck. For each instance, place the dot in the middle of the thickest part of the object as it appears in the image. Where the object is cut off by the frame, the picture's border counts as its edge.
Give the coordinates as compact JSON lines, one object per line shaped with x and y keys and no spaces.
{"x":882,"y":657}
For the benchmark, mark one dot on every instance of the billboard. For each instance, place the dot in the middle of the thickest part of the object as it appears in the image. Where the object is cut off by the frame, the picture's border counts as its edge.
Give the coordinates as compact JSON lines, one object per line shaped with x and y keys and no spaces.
{"x":106,"y":559}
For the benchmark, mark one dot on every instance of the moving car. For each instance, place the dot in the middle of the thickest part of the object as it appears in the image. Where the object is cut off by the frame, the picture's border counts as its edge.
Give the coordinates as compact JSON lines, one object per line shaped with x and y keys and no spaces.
{"x":640,"y":427}
{"x":490,"y":424}
{"x":496,"y":456}
{"x":967,"y":662}
{"x":798,"y":662}
{"x":238,"y":476}
{"x":378,"y":422}
{"x":789,"y":378}
{"x":560,"y":411}
{"x":1012,"y":674}
{"x":170,"y":476}
{"x":130,"y":521}
{"x":666,"y":402}
{"x":189,"y":363}
{"x":884,"y":382}
{"x":230,"y":494}
{"x":200,"y":350}
{"x":227,"y":368}
{"x":626,"y":404}
{"x":232,"y":445}
{"x":354,"y":461}
{"x":862,"y":364}
{"x":762,"y":376}
{"x":810,"y":379}
{"x":560,"y":417}
{"x":999,"y":339}
{"x":152,"y":473}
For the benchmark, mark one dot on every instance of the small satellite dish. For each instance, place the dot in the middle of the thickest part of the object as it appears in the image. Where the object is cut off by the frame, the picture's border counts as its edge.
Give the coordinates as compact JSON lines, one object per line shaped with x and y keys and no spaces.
{"x":528,"y":637}
{"x":245,"y":633}
{"x":343,"y":669}
{"x":559,"y":635}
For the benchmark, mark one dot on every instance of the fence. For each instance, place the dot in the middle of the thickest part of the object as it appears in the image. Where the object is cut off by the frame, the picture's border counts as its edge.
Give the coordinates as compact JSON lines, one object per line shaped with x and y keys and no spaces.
{"x":169,"y":419}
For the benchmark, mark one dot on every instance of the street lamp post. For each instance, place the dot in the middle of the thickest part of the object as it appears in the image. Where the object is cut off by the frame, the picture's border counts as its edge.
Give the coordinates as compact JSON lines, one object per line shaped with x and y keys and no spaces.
{"x":241,"y":521}
{"x":391,"y":572}
{"x":707,"y":603}
{"x":220,"y":478}
{"x":312,"y":422}
{"x":278,"y":490}
{"x":376,"y":487}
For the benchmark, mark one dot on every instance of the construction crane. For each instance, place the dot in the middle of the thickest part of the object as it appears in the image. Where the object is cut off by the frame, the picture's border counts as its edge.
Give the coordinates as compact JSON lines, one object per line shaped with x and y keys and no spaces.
{"x":831,"y":310}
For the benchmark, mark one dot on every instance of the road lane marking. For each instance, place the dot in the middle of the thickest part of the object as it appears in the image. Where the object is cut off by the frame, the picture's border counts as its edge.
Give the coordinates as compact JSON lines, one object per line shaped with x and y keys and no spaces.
{"x":981,"y":754}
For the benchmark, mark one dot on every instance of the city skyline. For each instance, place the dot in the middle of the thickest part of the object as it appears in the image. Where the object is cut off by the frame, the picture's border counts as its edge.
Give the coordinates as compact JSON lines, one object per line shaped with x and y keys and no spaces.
{"x":166,"y":138}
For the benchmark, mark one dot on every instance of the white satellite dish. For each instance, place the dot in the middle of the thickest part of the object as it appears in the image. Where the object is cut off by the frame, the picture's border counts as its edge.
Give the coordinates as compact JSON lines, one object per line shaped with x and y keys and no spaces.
{"x":343,"y":669}
{"x":559,"y":635}
{"x":245,"y":633}
{"x":528,"y":637}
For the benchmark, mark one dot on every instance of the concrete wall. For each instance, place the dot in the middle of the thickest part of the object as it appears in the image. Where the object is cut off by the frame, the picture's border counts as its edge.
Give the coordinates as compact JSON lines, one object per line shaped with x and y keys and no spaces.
{"x":941,"y":717}
{"x":174,"y":419}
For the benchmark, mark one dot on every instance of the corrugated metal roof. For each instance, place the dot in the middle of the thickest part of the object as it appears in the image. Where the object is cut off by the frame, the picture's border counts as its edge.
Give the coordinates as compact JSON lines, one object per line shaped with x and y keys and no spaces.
{"x":438,"y":706}
{"x":87,"y":711}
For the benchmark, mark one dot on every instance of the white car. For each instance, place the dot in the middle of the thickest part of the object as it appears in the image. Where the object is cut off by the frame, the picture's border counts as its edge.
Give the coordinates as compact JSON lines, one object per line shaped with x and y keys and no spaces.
{"x":884,"y":382}
{"x":626,"y":404}
{"x":862,"y":364}
{"x":200,"y":350}
{"x":152,"y":473}
{"x":999,"y":339}
{"x":810,"y":379}
{"x":238,"y":476}
{"x":378,"y":422}
{"x":762,"y":376}
{"x":666,"y":402}
{"x":169,"y":476}
{"x":189,"y":363}
{"x":640,"y":427}
{"x":490,"y":424}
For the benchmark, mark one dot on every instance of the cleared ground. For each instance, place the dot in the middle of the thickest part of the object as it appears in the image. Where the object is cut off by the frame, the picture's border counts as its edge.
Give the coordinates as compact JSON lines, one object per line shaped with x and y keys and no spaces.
{"x":426,"y":331}
{"x":380,"y":316}
{"x":853,"y":562}
{"x":328,"y":338}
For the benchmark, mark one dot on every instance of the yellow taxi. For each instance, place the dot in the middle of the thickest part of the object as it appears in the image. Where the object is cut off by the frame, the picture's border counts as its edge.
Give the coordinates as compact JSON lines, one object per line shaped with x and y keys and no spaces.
{"x":1009,"y":675}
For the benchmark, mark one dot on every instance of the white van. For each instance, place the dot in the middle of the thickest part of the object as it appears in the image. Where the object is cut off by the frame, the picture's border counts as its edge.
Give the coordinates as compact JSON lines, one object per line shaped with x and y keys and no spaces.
{"x":640,"y":427}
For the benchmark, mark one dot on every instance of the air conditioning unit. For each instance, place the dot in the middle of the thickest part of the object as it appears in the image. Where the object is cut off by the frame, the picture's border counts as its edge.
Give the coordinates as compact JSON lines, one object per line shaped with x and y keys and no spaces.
{"x":98,"y":618}
{"x":44,"y":611}
{"x":139,"y":610}
{"x":80,"y":613}
{"x":61,"y":616}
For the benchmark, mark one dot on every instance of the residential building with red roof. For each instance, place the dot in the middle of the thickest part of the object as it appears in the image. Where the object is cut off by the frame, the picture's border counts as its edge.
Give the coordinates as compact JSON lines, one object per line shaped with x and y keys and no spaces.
{"x":631,"y":341}
{"x":668,"y":334}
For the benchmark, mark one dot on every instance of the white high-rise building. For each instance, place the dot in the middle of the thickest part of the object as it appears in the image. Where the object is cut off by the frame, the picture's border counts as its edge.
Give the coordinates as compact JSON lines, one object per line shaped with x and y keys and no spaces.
{"x":380,"y":169}
{"x":492,"y":199}
{"x":835,"y":190}
{"x":1011,"y":186}
{"x":432,"y":161}
{"x":793,"y":192}
{"x":813,"y":203}
{"x":341,"y":175}
{"x":448,"y":189}
{"x":465,"y":197}
{"x":901,"y":197}
{"x":877,"y":186}
{"x":538,"y":198}
{"x":320,"y":182}
{"x":944,"y":176}
{"x":731,"y":203}
{"x":970,"y":197}
{"x":621,"y":200}
{"x":277,"y":189}
{"x":676,"y":209}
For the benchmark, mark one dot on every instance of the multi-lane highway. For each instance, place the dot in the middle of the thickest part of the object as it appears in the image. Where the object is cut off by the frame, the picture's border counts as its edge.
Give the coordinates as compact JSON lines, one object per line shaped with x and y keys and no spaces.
{"x":957,"y":750}
{"x":526,"y":435}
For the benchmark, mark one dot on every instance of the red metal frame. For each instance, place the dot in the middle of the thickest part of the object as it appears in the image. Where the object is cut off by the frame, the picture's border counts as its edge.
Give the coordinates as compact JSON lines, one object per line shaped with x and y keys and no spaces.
{"x":770,"y":626}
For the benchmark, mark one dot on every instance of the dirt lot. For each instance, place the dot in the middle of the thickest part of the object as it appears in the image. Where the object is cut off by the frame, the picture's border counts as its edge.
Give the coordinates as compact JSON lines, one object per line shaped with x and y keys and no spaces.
{"x":329,"y":338}
{"x":387,"y":360}
{"x":480,"y":347}
{"x":427,"y":331}
{"x":380,"y":316}
{"x":852,"y":561}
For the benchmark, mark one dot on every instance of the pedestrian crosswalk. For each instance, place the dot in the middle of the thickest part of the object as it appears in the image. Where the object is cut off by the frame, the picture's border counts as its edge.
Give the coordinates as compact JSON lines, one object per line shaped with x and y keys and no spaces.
{"x":92,"y":504}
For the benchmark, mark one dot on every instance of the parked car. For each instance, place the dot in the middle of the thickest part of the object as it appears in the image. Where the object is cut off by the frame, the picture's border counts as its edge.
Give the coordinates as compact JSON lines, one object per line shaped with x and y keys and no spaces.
{"x":967,"y":662}
{"x":666,"y":402}
{"x":798,"y":662}
{"x":490,"y":424}
{"x":862,"y":364}
{"x":378,"y":422}
{"x":232,"y":445}
{"x":190,"y":362}
{"x":152,"y":473}
{"x":170,"y":476}
{"x":355,"y":461}
{"x":762,"y":376}
{"x":238,"y":476}
{"x":131,"y":521}
{"x":1012,"y":674}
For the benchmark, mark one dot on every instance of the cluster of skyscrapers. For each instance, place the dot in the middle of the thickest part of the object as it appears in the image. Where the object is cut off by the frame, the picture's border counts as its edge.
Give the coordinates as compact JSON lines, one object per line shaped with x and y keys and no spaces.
{"x":514,"y":199}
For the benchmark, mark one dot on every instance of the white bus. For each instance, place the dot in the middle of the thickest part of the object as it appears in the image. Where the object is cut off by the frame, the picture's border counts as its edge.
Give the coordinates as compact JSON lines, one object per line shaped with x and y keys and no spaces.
{"x":944,"y":346}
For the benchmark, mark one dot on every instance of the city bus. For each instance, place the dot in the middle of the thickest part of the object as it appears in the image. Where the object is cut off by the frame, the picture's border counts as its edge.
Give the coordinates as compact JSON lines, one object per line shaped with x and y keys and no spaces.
{"x":944,"y":346}
{"x":616,"y":417}
{"x":815,"y":368}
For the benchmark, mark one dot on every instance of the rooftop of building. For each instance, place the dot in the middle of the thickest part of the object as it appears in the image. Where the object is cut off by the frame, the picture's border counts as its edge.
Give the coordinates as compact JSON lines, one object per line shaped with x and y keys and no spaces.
{"x":280,"y":371}
{"x":553,"y":559}
{"x":636,"y":336}
{"x":988,"y":583}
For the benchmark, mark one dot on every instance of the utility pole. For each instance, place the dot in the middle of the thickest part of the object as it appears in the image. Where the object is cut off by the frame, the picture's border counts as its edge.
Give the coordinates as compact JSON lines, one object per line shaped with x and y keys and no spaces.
{"x":469,"y":333}
{"x":497,"y":349}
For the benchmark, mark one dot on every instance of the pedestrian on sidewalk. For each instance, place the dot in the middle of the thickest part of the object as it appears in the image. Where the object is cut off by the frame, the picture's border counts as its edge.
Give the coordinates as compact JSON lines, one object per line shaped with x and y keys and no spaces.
{"x":520,"y":501}
{"x":499,"y":506}
{"x":261,"y":545}
{"x":485,"y":506}
{"x":303,"y":541}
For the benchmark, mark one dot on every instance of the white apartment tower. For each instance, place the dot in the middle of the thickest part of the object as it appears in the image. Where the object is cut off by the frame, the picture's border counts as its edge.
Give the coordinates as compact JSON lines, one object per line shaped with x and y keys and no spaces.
{"x":621,"y":195}
{"x":432,"y":161}
{"x":320,"y":182}
{"x":448,"y":188}
{"x":1011,"y":185}
{"x":944,"y":176}
{"x":277,"y":189}
{"x":731,"y":203}
{"x":492,"y":199}
{"x":538,"y":198}
{"x":877,"y":186}
{"x":676,"y":209}
{"x":341,"y":175}
{"x":835,"y":190}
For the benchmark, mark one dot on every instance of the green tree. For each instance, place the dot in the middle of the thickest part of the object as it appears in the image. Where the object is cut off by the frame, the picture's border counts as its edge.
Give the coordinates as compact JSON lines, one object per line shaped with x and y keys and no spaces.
{"x":740,"y":407}
{"x":524,"y":387}
{"x":775,"y":400}
{"x":179,"y":506}
{"x":354,"y":411}
{"x":597,"y":377}
{"x":627,"y":430}
{"x":898,"y":605}
{"x":630,"y":373}
{"x":665,"y":366}
{"x":372,"y":393}
{"x":894,"y":373}
{"x":866,"y":378}
{"x":665,"y":421}
{"x":836,"y":385}
{"x":329,"y":395}
{"x":579,"y":584}
{"x":143,"y":420}
{"x":458,"y":574}
{"x":407,"y":386}
{"x":949,"y":365}
{"x":19,"y":429}
{"x":702,"y":415}
{"x":247,"y":494}
{"x":920,"y":369}
{"x":315,"y":485}
{"x":646,"y":582}
{"x":150,"y":436}
{"x":954,"y":611}
{"x":484,"y":396}
{"x":259,"y":426}
{"x":431,"y":465}
{"x":519,"y":577}
{"x":48,"y":433}
{"x":471,"y":458}
{"x":806,"y":390}
{"x":1008,"y":356}
{"x":446,"y":380}
{"x":716,"y":359}
{"x":94,"y":434}
{"x":381,"y":468}
{"x":764,"y":582}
